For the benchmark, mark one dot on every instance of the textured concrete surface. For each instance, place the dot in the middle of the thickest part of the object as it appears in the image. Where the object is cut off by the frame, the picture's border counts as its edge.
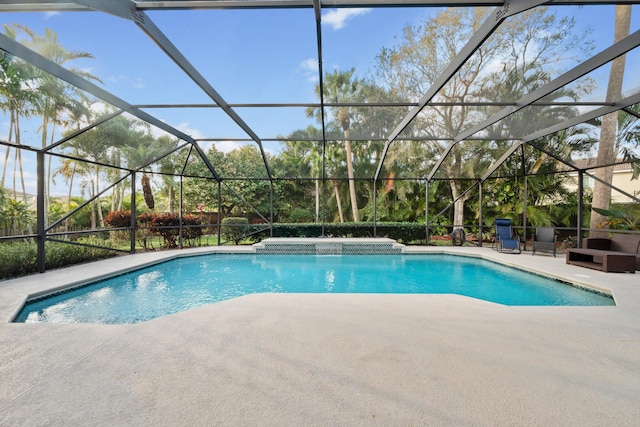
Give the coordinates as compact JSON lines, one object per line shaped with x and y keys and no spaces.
{"x":328,"y":360}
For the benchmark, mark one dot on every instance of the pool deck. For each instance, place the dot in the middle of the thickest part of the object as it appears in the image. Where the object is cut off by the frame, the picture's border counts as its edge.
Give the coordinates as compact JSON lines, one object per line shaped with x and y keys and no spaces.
{"x":330,"y":359}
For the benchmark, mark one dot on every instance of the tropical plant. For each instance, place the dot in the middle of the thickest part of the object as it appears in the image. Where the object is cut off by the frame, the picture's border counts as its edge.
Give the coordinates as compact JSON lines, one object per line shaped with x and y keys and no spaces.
{"x":417,"y":62}
{"x":619,"y":219}
{"x":17,"y":217}
{"x":55,"y":98}
{"x":339,"y":86}
{"x":18,"y":96}
{"x":606,"y":148}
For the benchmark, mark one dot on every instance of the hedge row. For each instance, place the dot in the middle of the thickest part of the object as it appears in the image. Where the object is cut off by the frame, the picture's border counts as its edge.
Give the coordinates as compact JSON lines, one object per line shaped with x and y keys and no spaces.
{"x":402,"y":232}
{"x":20,"y":258}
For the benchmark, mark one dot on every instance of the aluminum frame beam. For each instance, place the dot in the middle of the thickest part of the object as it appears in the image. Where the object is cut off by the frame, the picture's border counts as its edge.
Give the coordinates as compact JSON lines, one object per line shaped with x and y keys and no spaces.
{"x":98,"y":122}
{"x":617,"y":49}
{"x":583,"y":118}
{"x":67,"y":5}
{"x":128,"y":9}
{"x":501,"y":160}
{"x":20,"y":51}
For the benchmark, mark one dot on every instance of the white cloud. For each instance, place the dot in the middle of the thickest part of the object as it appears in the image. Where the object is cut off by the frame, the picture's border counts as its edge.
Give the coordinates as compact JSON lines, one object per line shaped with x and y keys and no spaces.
{"x":337,"y":18}
{"x":136,"y":83}
{"x":309,"y":68}
{"x":223,"y":146}
{"x":310,"y":64}
{"x":193,"y":133}
{"x":183,"y":127}
{"x":227,"y":146}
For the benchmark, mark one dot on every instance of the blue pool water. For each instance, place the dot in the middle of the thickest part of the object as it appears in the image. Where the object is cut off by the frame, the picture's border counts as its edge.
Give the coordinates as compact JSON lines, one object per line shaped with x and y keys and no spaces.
{"x":184,"y":283}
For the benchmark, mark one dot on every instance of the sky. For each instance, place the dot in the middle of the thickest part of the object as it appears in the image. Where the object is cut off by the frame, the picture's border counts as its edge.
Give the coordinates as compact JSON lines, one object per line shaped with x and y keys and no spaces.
{"x":248,"y":56}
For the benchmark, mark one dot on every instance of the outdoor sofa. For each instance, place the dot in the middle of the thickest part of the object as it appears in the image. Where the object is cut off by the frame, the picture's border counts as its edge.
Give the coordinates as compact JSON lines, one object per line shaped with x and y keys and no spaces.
{"x":620,"y":253}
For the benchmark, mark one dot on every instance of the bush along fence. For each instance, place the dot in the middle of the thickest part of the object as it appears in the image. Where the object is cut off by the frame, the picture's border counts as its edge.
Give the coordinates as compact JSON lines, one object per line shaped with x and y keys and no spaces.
{"x":149,"y":225}
{"x":238,"y":230}
{"x":20,"y":258}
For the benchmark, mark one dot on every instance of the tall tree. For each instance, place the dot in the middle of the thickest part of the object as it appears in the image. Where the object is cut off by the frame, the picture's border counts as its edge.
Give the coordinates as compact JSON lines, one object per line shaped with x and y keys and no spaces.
{"x":100,"y":144}
{"x":169,"y":166}
{"x":55,"y":98}
{"x":340,"y":87}
{"x":302,"y":157}
{"x":139,"y":155}
{"x":412,"y":66}
{"x":18,"y":96}
{"x":608,"y":129}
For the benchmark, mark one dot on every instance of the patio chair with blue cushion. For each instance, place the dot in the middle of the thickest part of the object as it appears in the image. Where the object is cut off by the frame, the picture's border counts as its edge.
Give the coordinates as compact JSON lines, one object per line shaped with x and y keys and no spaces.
{"x":505,"y":239}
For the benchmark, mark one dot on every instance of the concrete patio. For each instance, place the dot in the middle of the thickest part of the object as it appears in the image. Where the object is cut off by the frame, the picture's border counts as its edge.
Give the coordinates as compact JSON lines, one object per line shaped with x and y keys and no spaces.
{"x":331,"y":359}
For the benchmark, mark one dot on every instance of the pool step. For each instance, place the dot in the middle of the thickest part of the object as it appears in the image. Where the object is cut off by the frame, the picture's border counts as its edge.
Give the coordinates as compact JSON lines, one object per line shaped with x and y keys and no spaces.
{"x":328,"y":246}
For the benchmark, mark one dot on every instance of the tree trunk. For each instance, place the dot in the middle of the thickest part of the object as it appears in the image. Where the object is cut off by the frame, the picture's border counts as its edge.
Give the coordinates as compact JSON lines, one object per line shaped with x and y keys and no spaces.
{"x":455,"y":170}
{"x":73,"y":172}
{"x":4,"y":166}
{"x":7,"y":152}
{"x":99,"y":207}
{"x":15,"y":174}
{"x":458,"y":204}
{"x":24,"y":188}
{"x":18,"y":162}
{"x":317,"y":200}
{"x":146,"y":191}
{"x":350,"y":174}
{"x":172,"y":200}
{"x":337,"y":193}
{"x":93,"y":206}
{"x":114,"y":195}
{"x":608,"y":129}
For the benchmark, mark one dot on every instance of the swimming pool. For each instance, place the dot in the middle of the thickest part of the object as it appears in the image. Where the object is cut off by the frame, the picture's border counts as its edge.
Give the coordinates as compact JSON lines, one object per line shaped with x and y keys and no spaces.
{"x":184,"y":283}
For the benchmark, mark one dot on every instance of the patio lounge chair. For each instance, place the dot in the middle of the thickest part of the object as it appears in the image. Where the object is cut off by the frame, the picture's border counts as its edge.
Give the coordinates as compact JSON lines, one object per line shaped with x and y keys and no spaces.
{"x":544,"y":240}
{"x":505,"y":239}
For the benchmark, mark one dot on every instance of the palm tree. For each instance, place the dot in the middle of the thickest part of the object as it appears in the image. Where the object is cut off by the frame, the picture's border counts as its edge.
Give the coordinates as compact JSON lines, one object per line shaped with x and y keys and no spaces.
{"x":139,"y":158}
{"x":315,"y":159}
{"x":18,"y":217}
{"x":339,"y":87}
{"x":606,"y":149}
{"x":54,"y":96}
{"x":169,"y":165}
{"x":335,"y":157}
{"x":629,"y":137}
{"x":17,"y":95}
{"x":312,"y":158}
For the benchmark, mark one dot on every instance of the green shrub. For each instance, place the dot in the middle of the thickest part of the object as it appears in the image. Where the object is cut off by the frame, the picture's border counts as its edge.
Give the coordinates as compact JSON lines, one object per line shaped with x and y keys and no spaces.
{"x":58,"y":254}
{"x":20,"y":258}
{"x":166,"y":225}
{"x":150,"y":224}
{"x":402,"y":232}
{"x":234,"y":228}
{"x":299,"y":215}
{"x":144,"y":235}
{"x":192,"y":230}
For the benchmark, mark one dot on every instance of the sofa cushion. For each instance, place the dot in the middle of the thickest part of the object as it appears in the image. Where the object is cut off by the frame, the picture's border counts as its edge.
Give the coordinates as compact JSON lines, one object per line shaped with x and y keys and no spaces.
{"x":629,"y":243}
